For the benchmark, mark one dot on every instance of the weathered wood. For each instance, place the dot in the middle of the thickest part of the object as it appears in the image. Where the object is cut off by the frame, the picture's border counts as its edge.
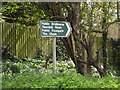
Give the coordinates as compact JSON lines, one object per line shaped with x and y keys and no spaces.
{"x":21,"y":43}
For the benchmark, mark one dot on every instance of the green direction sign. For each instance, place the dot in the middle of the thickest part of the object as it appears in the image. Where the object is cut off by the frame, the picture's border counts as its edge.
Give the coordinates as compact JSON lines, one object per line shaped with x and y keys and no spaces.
{"x":55,"y":29}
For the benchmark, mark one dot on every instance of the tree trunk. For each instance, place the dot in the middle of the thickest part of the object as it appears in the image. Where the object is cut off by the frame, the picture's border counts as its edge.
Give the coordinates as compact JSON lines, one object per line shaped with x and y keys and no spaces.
{"x":69,"y":42}
{"x":104,"y":52}
{"x":102,"y":72}
{"x":104,"y":37}
{"x":75,"y":19}
{"x":0,"y":35}
{"x":95,"y":63}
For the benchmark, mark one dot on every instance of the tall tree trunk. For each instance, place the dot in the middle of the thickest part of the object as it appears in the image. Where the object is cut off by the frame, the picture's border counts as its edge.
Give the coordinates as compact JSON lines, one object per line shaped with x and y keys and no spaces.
{"x":104,"y":42}
{"x":118,"y":17}
{"x":104,"y":37}
{"x":0,"y":34}
{"x":90,"y":35}
{"x":69,"y":42}
{"x":74,"y":18}
{"x":118,"y":10}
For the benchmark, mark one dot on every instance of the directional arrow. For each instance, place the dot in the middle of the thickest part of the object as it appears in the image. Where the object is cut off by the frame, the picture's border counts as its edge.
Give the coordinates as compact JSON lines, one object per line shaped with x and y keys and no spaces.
{"x":55,"y":29}
{"x":69,"y":29}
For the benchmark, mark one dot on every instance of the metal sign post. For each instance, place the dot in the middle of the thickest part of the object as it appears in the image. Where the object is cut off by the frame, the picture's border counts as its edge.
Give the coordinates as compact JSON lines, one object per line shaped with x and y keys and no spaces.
{"x":55,"y":29}
{"x":54,"y":54}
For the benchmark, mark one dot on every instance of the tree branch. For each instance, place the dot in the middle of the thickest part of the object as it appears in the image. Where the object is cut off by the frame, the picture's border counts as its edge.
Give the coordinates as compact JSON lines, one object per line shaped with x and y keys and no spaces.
{"x":83,"y":61}
{"x":102,"y":30}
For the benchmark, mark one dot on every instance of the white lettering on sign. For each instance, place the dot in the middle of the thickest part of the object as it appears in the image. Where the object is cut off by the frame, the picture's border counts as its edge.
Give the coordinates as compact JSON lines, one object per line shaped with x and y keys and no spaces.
{"x":44,"y":33}
{"x":45,"y":23}
{"x":45,"y":30}
{"x":54,"y":34}
{"x":56,"y":27}
{"x":57,"y":30}
{"x":47,"y":26}
{"x":57,"y":24}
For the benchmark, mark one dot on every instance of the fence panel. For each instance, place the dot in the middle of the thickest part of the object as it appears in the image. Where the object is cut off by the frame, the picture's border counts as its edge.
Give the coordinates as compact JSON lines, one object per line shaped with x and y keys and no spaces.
{"x":25,"y":41}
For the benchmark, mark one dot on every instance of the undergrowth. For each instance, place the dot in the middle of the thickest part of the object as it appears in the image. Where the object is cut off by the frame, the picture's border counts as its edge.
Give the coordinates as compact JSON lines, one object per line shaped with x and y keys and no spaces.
{"x":32,"y":74}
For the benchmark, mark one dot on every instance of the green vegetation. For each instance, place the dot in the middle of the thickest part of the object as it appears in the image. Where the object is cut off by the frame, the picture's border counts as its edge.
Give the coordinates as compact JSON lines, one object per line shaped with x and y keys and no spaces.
{"x":31,"y":74}
{"x":91,"y":50}
{"x":9,"y":67}
{"x":88,"y":20}
{"x":59,"y":80}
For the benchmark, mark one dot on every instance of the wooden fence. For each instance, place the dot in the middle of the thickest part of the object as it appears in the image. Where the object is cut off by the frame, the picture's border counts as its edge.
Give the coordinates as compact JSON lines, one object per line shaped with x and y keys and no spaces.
{"x":25,"y":41}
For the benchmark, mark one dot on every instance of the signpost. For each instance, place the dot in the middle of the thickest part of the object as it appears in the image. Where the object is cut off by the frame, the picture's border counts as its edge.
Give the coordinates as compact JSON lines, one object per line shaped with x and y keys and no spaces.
{"x":55,"y":29}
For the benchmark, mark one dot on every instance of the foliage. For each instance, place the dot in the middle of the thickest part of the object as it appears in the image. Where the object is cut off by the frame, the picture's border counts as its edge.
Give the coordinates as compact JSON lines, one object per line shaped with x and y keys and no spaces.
{"x":9,"y":67}
{"x":86,"y":18}
{"x":62,"y":53}
{"x":25,"y":13}
{"x":31,"y":74}
{"x":59,"y":80}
